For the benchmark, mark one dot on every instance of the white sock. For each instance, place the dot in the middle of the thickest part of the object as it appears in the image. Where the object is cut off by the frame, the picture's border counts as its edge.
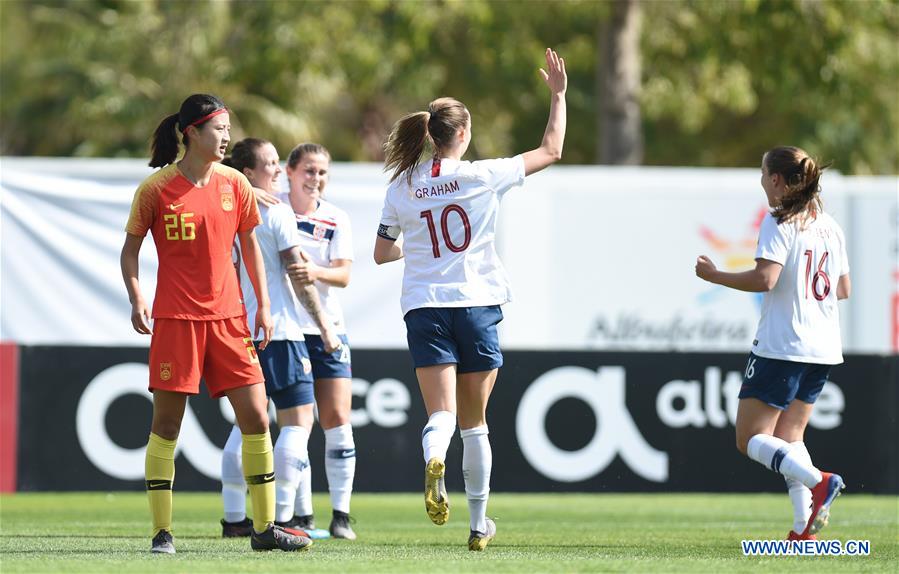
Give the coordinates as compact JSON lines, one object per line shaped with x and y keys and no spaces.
{"x":302,"y":504}
{"x":291,"y":457}
{"x":437,"y":434}
{"x":340,"y":465}
{"x":780,"y":457}
{"x":477,"y":460}
{"x":800,"y":495}
{"x":234,"y":487}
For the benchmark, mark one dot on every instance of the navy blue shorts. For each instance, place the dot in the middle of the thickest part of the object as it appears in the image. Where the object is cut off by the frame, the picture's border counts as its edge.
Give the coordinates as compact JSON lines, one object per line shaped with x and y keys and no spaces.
{"x":336,"y":365}
{"x":777,"y":382}
{"x":288,"y":373}
{"x":462,"y":335}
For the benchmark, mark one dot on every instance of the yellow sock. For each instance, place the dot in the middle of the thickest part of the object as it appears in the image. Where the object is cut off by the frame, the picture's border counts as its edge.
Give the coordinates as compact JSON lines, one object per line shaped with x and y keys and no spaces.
{"x":259,"y":468}
{"x":159,"y":469}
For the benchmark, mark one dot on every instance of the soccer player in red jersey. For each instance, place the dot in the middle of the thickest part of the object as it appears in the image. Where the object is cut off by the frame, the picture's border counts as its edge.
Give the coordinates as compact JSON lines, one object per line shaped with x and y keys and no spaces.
{"x":195,"y":208}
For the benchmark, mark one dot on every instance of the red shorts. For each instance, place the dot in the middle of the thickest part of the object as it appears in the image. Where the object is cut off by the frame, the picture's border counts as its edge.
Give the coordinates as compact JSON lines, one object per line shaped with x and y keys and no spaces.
{"x":221,"y":351}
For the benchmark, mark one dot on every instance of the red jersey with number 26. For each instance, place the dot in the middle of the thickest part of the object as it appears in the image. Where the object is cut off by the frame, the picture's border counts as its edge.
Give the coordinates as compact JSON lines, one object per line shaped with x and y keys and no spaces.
{"x":194,"y":229}
{"x":448,"y":220}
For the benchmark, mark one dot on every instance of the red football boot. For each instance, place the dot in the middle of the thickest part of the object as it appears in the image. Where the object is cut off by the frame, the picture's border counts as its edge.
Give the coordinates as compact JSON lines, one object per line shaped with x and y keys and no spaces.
{"x":823,"y":495}
{"x":793,"y":536}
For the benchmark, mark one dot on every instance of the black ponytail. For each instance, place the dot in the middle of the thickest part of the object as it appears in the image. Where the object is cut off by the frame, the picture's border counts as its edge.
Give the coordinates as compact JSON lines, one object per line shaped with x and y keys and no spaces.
{"x":164,"y":146}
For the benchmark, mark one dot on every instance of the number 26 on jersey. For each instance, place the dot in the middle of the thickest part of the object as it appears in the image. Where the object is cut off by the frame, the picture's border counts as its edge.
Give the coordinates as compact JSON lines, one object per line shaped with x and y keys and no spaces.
{"x":179,"y":227}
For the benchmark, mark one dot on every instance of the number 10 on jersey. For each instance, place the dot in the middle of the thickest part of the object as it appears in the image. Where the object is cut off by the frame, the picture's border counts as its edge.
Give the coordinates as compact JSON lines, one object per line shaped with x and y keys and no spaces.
{"x":444,"y":229}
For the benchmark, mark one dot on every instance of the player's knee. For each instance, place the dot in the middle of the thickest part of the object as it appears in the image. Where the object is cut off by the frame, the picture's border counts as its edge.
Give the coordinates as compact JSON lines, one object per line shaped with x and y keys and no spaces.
{"x":254,"y":422}
{"x":742,"y":444}
{"x":790,"y":432}
{"x":330,"y":418}
{"x":471,"y":418}
{"x":166,"y":428}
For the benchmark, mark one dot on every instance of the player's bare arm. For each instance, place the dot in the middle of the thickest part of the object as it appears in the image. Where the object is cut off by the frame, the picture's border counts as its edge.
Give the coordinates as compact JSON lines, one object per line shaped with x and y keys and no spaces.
{"x":337,"y":275}
{"x":252,"y":259}
{"x":387,"y":250}
{"x":140,"y":312}
{"x":759,"y":280}
{"x":308,"y":297}
{"x":550,"y":150}
{"x":844,"y":287}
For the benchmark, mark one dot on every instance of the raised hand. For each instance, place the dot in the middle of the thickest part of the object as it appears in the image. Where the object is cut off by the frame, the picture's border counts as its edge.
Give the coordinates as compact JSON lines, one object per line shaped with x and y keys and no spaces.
{"x":554,"y":75}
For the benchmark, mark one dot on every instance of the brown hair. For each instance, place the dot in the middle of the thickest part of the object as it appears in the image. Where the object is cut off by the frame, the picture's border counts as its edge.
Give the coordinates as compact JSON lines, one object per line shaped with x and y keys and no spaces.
{"x":245,"y":154}
{"x":164,"y":145}
{"x":304,"y":149}
{"x":801,"y":175}
{"x":410,"y":135}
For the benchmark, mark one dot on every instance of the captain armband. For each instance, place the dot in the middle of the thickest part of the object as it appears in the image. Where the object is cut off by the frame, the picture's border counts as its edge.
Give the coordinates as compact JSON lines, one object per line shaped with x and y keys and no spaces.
{"x":389,"y":232}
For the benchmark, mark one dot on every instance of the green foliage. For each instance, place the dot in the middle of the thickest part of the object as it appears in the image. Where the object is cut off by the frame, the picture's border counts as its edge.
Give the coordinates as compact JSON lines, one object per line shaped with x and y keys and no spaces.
{"x":564,"y":533}
{"x":723,"y":80}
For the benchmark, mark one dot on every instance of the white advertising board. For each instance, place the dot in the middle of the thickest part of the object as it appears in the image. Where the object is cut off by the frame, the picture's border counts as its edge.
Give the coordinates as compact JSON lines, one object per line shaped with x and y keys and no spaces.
{"x":599,"y":257}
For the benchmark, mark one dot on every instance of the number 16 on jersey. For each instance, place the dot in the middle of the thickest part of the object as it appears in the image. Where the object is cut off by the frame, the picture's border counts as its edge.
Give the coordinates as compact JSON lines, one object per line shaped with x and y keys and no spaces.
{"x":820,"y":282}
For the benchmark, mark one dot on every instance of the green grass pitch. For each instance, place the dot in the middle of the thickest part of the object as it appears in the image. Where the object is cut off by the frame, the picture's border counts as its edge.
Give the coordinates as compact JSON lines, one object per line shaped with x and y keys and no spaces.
{"x":536,"y":533}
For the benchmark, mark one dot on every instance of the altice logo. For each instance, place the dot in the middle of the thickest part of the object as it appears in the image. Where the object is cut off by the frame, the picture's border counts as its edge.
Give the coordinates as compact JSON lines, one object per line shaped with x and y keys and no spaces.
{"x":386,"y":405}
{"x":124,"y":463}
{"x":615,"y":435}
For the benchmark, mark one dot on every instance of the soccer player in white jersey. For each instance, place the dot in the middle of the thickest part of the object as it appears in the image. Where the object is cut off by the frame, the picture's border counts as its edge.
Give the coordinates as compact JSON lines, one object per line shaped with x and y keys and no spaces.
{"x":326,"y":240}
{"x":285,"y":361}
{"x":802,"y":268}
{"x":453,"y":285}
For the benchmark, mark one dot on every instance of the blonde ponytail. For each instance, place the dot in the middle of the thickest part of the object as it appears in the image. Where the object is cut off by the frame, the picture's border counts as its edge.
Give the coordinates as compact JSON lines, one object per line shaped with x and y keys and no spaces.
{"x":406,"y":144}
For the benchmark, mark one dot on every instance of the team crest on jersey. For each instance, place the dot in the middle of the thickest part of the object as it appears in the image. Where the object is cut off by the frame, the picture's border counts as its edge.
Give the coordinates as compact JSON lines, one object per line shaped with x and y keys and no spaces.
{"x":319,"y":231}
{"x":228,"y":198}
{"x":165,"y":371}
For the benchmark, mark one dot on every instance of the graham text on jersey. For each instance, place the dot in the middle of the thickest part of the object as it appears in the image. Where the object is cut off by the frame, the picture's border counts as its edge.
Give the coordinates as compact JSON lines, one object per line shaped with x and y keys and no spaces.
{"x":437,"y":190}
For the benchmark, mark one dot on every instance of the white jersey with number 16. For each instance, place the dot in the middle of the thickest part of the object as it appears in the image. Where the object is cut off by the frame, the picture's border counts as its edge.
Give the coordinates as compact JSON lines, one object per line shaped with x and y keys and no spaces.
{"x":448,"y":221}
{"x":800,"y":318}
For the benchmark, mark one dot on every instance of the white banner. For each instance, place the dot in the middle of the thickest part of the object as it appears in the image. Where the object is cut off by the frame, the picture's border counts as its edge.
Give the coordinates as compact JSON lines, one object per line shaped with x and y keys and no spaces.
{"x":599,"y":257}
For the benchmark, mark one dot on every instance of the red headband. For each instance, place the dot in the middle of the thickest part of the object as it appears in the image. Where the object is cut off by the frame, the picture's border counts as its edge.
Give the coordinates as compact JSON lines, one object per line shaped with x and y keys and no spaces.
{"x":204,"y":118}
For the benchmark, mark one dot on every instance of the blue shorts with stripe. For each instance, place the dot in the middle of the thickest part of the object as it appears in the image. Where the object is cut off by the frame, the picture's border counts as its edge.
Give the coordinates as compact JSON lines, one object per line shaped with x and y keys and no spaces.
{"x":288,"y":373}
{"x":465,"y":336}
{"x":325,"y":365}
{"x":778,"y":382}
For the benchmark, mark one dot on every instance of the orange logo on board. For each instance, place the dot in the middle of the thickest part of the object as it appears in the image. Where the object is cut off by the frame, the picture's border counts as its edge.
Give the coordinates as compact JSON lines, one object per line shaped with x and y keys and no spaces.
{"x":165,"y":371}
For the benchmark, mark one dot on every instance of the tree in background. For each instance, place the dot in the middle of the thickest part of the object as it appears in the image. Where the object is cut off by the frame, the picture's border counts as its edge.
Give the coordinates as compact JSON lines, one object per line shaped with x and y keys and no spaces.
{"x":709,"y":83}
{"x":620,"y":130}
{"x":724,"y":81}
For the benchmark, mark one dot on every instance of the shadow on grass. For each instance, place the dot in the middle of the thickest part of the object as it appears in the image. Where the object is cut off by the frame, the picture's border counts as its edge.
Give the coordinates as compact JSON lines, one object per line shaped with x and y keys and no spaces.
{"x":106,"y":536}
{"x":115,"y":555}
{"x":510,"y":545}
